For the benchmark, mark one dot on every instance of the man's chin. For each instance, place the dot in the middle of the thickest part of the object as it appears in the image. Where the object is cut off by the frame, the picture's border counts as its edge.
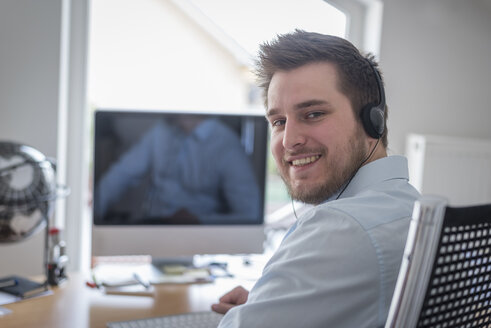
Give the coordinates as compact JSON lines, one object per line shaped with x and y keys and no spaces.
{"x":312,"y":196}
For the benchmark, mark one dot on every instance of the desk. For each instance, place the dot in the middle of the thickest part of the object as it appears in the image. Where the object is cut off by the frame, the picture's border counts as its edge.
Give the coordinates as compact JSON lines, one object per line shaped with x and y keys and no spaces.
{"x":74,"y":305}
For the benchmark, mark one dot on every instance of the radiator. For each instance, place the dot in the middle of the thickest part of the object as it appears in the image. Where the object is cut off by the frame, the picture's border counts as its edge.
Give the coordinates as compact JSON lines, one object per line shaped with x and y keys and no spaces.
{"x":456,"y":168}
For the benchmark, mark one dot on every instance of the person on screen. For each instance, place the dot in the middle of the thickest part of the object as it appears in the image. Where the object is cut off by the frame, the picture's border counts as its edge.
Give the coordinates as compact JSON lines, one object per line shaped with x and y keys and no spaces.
{"x":199,"y":173}
{"x":338,"y":264}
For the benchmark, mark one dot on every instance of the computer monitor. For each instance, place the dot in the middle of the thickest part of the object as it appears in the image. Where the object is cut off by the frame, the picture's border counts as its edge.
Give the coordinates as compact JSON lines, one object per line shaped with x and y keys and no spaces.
{"x":170,"y":184}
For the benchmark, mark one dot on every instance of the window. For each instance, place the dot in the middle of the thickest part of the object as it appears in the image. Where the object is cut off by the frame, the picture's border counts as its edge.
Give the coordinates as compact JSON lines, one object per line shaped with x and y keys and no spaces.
{"x":189,"y":54}
{"x":196,"y":54}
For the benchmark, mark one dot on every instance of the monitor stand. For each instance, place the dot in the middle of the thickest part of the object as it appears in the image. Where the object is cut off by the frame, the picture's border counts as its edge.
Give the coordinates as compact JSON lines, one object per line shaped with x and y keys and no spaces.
{"x":181,"y":269}
{"x":182,"y":261}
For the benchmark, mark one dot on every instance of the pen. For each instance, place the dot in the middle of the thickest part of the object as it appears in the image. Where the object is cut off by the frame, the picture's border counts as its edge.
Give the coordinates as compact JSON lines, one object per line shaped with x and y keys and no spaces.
{"x":8,"y":283}
{"x":95,"y":281}
{"x":140,"y":280}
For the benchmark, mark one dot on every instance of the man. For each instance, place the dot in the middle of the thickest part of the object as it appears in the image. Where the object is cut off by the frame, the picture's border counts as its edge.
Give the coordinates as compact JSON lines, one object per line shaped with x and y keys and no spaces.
{"x":338,"y":264}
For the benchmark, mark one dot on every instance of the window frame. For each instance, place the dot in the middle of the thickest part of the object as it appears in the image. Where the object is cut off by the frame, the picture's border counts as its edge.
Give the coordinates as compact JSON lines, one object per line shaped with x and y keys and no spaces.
{"x":364,"y":22}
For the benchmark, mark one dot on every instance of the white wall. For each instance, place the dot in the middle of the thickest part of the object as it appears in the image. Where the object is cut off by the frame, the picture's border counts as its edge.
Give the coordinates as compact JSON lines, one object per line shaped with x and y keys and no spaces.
{"x":30,"y":72}
{"x":436,"y":59}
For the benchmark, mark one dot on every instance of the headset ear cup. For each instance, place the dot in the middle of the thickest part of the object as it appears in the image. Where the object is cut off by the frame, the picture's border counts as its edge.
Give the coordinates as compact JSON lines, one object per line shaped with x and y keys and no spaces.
{"x":373,"y":115}
{"x":378,"y":122}
{"x":372,"y":119}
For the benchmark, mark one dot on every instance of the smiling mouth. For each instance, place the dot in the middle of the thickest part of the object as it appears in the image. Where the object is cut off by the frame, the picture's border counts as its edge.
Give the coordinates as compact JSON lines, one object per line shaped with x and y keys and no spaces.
{"x":305,"y":160}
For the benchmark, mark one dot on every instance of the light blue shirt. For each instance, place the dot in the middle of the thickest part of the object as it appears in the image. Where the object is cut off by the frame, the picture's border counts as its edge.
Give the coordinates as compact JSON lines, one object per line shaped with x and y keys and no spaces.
{"x":207,"y":173}
{"x":338,"y":264}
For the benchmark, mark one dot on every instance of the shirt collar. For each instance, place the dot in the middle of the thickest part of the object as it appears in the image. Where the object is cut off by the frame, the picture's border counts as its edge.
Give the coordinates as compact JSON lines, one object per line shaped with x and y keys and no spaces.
{"x":386,"y":168}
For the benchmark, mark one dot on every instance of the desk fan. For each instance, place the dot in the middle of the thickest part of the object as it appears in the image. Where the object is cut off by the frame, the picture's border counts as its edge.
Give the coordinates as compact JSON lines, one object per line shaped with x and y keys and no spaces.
{"x":28,"y":191}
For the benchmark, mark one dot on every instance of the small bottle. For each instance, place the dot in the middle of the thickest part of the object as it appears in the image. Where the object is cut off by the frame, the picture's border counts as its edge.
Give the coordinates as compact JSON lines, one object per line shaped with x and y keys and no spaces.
{"x":57,"y":258}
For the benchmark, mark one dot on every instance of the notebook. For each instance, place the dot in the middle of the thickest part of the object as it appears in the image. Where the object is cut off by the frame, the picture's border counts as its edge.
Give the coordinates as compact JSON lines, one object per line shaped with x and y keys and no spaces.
{"x":21,"y":287}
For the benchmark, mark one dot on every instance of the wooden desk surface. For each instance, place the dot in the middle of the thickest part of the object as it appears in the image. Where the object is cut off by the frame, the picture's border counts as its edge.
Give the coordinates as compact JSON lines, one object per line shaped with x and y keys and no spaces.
{"x":74,"y":305}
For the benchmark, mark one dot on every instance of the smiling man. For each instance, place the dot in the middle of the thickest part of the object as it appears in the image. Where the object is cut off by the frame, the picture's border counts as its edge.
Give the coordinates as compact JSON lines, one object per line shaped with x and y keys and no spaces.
{"x":338,"y":264}
{"x":316,"y":141}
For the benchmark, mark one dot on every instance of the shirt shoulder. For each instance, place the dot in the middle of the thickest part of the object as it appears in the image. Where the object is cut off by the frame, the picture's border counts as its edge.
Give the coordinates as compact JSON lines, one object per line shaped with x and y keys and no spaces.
{"x":387,"y":202}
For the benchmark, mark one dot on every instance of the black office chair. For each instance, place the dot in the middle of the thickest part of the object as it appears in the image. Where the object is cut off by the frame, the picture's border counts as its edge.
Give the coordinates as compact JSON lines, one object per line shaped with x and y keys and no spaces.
{"x":445,"y":276}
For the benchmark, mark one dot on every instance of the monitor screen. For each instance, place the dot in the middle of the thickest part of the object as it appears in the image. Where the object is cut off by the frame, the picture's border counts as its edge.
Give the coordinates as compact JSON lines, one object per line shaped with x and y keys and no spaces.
{"x":177,"y":175}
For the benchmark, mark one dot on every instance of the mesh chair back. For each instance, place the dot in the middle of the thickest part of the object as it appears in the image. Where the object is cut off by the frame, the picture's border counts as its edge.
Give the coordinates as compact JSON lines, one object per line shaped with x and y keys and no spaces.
{"x":445,"y":279}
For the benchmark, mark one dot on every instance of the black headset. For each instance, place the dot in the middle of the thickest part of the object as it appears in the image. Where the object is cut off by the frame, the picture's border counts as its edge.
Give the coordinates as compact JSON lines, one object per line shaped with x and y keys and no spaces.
{"x":372,"y":115}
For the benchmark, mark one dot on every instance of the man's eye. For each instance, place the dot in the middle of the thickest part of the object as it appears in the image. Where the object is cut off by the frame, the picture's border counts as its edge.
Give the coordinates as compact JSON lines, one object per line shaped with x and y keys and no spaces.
{"x":278,"y":122}
{"x":314,"y":114}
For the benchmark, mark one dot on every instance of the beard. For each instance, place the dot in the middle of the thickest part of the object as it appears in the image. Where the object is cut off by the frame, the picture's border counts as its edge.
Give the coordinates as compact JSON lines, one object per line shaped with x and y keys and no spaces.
{"x":338,"y":173}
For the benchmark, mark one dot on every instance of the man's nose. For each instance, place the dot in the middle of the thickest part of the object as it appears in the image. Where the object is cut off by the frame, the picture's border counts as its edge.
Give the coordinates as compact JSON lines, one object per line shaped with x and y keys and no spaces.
{"x":293,"y":136}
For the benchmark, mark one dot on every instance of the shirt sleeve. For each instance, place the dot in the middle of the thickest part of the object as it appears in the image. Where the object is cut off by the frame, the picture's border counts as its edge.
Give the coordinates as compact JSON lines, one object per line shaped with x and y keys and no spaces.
{"x":324,"y":274}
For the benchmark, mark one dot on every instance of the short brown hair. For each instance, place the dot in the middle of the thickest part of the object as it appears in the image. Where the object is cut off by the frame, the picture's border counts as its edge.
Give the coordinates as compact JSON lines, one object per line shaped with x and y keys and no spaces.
{"x":356,"y":77}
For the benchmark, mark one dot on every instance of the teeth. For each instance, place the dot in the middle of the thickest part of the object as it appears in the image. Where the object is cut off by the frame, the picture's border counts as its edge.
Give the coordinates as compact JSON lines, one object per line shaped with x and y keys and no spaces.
{"x":305,"y":161}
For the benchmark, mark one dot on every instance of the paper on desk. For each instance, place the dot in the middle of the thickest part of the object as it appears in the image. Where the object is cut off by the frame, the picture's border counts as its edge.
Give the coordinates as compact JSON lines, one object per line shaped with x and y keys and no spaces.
{"x":115,"y":275}
{"x":112,"y":275}
{"x":6,"y":298}
{"x":4,"y":311}
{"x":179,"y":279}
{"x":182,"y":275}
{"x":133,"y":290}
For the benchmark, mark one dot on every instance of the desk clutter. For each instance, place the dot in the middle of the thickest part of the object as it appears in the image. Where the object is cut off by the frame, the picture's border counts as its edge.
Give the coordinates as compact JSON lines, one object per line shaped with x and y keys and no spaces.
{"x":138,"y":279}
{"x":82,"y":301}
{"x":14,"y":289}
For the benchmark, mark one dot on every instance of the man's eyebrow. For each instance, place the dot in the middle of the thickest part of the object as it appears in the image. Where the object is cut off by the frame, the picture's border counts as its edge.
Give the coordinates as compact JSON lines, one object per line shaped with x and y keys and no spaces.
{"x":313,"y":102}
{"x":271,"y":112}
{"x":302,"y":105}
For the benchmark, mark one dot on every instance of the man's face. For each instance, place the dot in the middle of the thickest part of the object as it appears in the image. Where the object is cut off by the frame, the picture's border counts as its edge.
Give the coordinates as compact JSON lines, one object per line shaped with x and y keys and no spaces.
{"x":316,"y":141}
